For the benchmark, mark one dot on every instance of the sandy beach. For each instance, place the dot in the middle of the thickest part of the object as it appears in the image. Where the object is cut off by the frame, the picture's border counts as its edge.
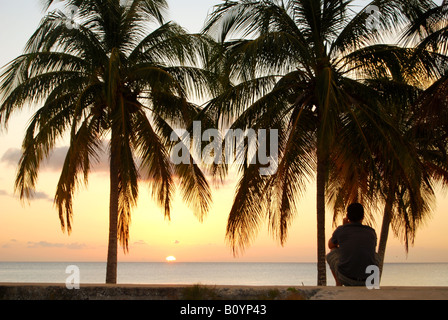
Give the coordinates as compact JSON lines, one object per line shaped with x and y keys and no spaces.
{"x":28,"y":291}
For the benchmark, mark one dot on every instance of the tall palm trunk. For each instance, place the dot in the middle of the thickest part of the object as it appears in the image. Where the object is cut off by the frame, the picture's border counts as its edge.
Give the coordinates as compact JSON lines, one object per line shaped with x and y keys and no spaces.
{"x":320,"y":200}
{"x":111,"y":269}
{"x":387,"y":217}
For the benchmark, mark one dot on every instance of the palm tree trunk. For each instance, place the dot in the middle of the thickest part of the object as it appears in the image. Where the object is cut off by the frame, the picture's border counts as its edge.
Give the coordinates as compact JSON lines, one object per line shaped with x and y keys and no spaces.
{"x":321,"y":245}
{"x":385,"y":228}
{"x":111,"y":269}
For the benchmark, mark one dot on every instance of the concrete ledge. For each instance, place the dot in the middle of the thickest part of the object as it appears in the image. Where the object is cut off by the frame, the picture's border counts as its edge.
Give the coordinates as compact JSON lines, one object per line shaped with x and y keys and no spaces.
{"x":14,"y":291}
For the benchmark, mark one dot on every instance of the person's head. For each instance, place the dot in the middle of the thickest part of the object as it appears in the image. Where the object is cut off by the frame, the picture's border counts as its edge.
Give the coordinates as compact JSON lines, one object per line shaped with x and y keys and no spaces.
{"x":355,"y":212}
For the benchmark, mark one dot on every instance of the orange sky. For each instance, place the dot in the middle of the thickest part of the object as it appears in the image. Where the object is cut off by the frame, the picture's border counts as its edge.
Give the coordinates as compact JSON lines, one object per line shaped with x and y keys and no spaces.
{"x":31,"y":232}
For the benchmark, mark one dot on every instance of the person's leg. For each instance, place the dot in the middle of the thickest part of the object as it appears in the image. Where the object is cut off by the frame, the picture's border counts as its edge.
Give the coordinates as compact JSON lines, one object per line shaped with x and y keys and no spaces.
{"x":338,"y":283}
{"x":333,"y":261}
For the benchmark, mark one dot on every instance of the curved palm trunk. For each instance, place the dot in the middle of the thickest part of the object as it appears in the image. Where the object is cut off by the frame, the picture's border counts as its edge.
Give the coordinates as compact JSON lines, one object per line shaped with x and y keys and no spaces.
{"x":111,"y":269}
{"x":321,"y":245}
{"x":385,"y":228}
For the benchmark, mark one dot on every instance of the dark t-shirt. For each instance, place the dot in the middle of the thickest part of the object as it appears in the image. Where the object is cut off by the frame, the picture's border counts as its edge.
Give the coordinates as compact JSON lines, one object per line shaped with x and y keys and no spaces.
{"x":357,"y":245}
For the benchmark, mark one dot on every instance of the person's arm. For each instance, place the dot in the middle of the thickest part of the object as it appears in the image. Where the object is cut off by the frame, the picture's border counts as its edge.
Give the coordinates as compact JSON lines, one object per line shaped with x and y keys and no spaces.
{"x":332,"y":245}
{"x":333,"y":242}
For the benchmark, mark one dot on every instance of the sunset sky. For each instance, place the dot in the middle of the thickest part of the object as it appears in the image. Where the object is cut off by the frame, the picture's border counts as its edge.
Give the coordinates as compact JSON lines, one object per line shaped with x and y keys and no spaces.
{"x":31,"y":231}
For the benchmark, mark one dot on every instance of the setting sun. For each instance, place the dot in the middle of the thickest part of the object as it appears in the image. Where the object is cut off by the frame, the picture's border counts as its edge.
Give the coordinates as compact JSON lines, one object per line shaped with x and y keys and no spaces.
{"x":170,"y":259}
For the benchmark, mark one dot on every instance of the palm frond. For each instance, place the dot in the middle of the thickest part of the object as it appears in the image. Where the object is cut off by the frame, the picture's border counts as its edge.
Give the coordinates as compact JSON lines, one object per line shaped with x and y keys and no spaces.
{"x":155,"y":162}
{"x":248,"y":210}
{"x":83,"y":150}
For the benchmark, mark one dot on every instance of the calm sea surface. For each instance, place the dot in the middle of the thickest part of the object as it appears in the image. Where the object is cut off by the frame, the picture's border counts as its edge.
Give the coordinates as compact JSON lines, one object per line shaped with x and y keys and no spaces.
{"x":286,"y":274}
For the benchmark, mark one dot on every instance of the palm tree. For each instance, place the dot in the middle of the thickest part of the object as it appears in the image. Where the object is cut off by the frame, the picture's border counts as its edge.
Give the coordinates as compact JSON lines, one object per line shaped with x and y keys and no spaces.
{"x":407,"y":196}
{"x":420,"y":113}
{"x":423,"y":121}
{"x":105,"y":76}
{"x":302,"y":68}
{"x":426,"y":125}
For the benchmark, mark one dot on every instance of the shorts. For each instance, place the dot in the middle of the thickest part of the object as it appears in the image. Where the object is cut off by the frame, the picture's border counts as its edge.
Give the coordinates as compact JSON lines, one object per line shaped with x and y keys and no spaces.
{"x":333,"y":262}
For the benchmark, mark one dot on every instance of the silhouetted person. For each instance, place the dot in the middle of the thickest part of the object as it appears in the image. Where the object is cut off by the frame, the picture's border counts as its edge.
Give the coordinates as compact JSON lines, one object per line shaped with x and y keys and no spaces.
{"x":352,"y":249}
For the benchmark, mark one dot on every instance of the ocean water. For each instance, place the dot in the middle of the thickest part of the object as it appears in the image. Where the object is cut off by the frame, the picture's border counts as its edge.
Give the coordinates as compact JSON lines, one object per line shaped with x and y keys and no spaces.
{"x":256,"y":274}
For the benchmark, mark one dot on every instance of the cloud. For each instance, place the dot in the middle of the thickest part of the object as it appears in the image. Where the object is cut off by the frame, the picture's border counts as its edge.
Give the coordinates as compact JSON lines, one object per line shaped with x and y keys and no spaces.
{"x":11,"y":156}
{"x":76,"y":246}
{"x":15,"y":244}
{"x":9,"y":244}
{"x":39,"y":195}
{"x":140,"y":243}
{"x":45,"y":244}
{"x":42,"y":196}
{"x":56,"y":159}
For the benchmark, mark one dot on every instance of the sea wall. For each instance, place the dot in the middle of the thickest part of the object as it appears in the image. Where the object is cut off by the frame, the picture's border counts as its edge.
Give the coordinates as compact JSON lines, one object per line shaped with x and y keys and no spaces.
{"x":31,"y":292}
{"x":141,"y":292}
